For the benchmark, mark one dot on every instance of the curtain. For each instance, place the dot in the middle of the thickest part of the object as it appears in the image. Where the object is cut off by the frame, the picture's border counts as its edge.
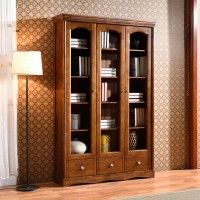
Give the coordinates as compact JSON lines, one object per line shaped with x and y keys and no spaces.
{"x":8,"y":95}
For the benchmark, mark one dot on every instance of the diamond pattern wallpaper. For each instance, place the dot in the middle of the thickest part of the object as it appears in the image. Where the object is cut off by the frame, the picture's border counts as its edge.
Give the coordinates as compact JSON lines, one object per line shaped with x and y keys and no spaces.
{"x":35,"y":32}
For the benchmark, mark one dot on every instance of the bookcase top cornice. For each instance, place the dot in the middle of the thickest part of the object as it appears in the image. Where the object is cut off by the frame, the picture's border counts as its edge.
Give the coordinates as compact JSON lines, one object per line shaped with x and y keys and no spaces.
{"x":100,"y":20}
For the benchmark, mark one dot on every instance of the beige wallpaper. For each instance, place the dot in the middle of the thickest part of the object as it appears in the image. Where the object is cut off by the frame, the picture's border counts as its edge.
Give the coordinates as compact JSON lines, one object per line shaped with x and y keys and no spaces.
{"x":36,"y":33}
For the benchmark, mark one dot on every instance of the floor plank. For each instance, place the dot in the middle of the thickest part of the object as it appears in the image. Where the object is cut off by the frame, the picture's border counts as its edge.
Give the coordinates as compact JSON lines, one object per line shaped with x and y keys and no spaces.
{"x":163,"y":182}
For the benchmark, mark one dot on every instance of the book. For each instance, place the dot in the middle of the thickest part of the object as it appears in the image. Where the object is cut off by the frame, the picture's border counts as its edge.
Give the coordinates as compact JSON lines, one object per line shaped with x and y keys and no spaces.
{"x":78,"y":94}
{"x":137,"y":117}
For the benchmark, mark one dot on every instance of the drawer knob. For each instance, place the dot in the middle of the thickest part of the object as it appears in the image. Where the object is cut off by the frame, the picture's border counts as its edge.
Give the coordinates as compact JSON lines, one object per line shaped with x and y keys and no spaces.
{"x":139,"y":162}
{"x":82,"y":168}
{"x":111,"y":165}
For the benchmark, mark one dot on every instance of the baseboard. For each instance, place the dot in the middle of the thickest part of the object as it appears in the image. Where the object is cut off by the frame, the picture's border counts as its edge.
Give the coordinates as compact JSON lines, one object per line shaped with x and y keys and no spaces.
{"x":12,"y":180}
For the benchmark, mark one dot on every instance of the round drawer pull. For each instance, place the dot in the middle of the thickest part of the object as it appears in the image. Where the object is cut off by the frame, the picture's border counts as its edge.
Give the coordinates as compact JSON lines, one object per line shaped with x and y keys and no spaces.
{"x":139,"y":162}
{"x":82,"y":168}
{"x":111,"y":165}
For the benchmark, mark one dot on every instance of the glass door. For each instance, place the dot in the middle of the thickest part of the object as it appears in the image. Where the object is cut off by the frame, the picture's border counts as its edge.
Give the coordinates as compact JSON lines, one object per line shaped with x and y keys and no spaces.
{"x":110,"y":69}
{"x":82,"y":89}
{"x":138,"y":45}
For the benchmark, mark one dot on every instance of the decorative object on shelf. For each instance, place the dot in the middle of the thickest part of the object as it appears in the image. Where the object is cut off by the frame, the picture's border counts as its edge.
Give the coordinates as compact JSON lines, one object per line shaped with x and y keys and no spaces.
{"x":75,"y":121}
{"x":27,"y":63}
{"x":78,"y":147}
{"x":133,"y":140}
{"x":105,"y":143}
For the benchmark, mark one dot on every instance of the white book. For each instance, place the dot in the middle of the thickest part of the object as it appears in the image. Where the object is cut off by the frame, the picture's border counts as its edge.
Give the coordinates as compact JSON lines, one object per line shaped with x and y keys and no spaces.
{"x":108,"y":69}
{"x":108,"y":126}
{"x":102,"y":39}
{"x":102,"y":91}
{"x":135,"y":100}
{"x":108,"y":72}
{"x":78,"y":98}
{"x":105,"y":38}
{"x":78,"y":46}
{"x":135,"y":92}
{"x":133,"y":95}
{"x":112,"y":122}
{"x":107,"y":120}
{"x":78,"y":94}
{"x":105,"y":92}
{"x":78,"y":40}
{"x":79,"y":66}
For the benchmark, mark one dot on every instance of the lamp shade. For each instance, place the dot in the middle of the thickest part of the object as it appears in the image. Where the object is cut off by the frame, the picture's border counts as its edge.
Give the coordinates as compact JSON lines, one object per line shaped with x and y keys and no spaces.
{"x":27,"y":63}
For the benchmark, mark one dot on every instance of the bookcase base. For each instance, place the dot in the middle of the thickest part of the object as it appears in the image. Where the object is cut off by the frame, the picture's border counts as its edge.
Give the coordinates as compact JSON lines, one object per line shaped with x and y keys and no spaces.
{"x":111,"y":177}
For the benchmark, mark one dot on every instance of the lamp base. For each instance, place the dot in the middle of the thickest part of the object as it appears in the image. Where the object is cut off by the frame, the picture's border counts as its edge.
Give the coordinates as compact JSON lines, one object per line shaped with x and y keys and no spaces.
{"x":26,"y":188}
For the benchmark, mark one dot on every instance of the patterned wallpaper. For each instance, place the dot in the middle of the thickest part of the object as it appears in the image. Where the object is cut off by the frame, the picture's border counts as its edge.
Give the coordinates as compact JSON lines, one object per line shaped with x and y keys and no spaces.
{"x":36,"y":33}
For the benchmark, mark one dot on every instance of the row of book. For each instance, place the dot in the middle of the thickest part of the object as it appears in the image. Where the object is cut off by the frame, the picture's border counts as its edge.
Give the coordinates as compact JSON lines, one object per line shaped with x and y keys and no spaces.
{"x":108,"y":40}
{"x":137,"y":117}
{"x":105,"y":92}
{"x":138,"y":66}
{"x":108,"y":72}
{"x":78,"y":43}
{"x":78,"y":97}
{"x":136,"y":97}
{"x":81,"y":65}
{"x":108,"y":123}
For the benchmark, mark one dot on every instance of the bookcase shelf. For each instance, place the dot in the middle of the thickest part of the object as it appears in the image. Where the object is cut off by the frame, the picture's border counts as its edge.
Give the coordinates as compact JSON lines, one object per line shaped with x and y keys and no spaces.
{"x":137,"y":50}
{"x":139,"y":102}
{"x":79,"y":130}
{"x":83,"y":77}
{"x":103,"y":65}
{"x":109,"y":49}
{"x":109,"y":102}
{"x":109,"y":129}
{"x":139,"y":77}
{"x":136,"y":128}
{"x":79,"y":48}
{"x":103,"y":77}
{"x":79,"y":103}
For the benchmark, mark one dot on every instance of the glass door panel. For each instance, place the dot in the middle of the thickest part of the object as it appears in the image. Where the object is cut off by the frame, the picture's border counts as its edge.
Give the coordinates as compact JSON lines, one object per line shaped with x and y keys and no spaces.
{"x":80,"y":46}
{"x":137,"y":95}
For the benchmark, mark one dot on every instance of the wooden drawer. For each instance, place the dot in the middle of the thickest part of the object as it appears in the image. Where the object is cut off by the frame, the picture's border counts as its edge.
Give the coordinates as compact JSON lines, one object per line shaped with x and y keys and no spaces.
{"x":136,"y":163}
{"x":81,"y":168}
{"x":110,"y":165}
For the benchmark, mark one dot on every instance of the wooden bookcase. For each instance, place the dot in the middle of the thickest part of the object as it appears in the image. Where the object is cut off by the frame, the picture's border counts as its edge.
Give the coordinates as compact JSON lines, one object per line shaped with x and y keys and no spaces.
{"x":104,"y":99}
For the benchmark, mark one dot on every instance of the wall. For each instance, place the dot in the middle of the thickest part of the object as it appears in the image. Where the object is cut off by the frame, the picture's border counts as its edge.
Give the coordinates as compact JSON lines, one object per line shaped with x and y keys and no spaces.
{"x":36,"y":33}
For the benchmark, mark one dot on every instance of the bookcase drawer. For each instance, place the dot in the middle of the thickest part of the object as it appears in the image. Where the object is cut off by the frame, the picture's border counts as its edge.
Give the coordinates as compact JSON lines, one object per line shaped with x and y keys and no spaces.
{"x":136,"y":163}
{"x":110,"y":165}
{"x":81,"y":168}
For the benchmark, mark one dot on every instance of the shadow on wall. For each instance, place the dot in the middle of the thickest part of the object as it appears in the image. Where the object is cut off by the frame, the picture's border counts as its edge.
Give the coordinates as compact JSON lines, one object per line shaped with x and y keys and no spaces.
{"x":37,"y":34}
{"x":178,"y":123}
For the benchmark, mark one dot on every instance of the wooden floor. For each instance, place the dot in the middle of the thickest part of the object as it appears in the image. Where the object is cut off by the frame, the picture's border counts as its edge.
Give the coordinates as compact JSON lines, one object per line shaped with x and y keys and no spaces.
{"x":163,"y":182}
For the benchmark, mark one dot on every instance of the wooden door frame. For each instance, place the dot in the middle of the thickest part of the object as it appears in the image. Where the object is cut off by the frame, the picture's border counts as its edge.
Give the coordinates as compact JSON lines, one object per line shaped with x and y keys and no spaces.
{"x":191,"y":78}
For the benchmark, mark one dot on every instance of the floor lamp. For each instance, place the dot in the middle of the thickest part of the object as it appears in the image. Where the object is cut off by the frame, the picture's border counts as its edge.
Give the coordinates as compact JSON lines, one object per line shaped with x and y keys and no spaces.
{"x":27,"y":63}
